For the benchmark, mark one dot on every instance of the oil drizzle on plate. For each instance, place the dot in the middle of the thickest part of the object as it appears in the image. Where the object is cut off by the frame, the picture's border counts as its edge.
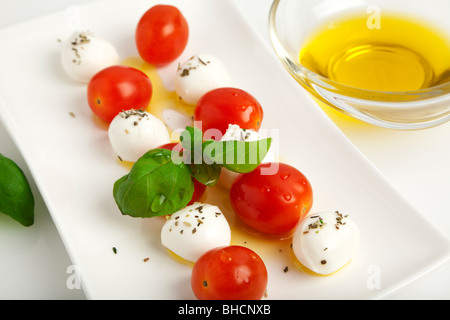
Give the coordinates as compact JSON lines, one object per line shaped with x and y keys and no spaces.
{"x":162,"y":98}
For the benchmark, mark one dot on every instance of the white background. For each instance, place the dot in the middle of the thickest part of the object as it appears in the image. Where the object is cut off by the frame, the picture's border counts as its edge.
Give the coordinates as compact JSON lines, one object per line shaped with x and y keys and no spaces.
{"x":34,"y":263}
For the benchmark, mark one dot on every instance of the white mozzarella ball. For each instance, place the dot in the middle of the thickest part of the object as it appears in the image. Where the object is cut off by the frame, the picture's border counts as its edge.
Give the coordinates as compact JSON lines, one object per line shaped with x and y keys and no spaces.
{"x":200,"y":74}
{"x":325,"y":242}
{"x":134,"y":132}
{"x":194,"y":230}
{"x":83,"y":55}
{"x":234,"y":132}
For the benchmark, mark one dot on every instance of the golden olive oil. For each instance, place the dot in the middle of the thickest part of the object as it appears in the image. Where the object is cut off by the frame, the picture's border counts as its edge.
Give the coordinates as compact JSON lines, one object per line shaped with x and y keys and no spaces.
{"x":394,"y":53}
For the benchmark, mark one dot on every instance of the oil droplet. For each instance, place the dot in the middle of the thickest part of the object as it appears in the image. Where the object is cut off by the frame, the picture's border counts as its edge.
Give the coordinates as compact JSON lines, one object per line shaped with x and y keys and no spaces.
{"x":305,"y":270}
{"x":158,"y":202}
{"x":253,"y":256}
{"x":162,"y":98}
{"x":179,"y":259}
{"x":284,"y":175}
{"x":225,"y":257}
{"x":265,"y":189}
{"x":287,"y":196}
{"x":126,"y":164}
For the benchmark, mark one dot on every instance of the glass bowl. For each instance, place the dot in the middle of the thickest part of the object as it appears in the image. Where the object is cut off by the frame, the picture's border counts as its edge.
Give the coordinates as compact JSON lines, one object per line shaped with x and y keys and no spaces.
{"x":292,"y":21}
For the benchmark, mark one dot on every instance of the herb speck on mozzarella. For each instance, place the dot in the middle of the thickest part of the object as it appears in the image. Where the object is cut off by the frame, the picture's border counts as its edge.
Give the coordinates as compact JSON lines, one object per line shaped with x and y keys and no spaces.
{"x":198,"y":75}
{"x":84,"y":54}
{"x":194,"y":230}
{"x":325,"y":242}
{"x":134,"y":132}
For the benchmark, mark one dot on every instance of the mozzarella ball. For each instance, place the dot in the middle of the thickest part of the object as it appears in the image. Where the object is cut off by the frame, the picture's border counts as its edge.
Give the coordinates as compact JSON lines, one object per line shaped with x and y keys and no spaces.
{"x":194,"y":230}
{"x":134,"y":132}
{"x":83,"y":55}
{"x":325,"y":242}
{"x":234,"y":132}
{"x":200,"y":74}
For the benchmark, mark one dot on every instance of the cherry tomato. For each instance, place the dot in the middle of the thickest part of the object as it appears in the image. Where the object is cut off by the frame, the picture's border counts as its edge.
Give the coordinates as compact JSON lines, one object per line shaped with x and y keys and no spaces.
{"x":220,"y":107}
{"x":161,"y":34}
{"x":199,"y":188}
{"x":229,"y":273}
{"x":272,"y":203}
{"x":118,"y":88}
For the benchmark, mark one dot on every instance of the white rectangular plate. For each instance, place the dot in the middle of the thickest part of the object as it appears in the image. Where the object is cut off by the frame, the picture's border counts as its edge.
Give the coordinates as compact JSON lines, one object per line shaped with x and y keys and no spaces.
{"x":74,"y":167}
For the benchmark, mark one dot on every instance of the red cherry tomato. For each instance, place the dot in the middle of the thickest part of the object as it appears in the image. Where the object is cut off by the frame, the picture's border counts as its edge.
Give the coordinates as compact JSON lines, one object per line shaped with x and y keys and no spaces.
{"x":272,"y":203}
{"x":229,"y":273}
{"x":161,"y":34}
{"x":118,"y":88}
{"x":220,"y":107}
{"x":199,"y":188}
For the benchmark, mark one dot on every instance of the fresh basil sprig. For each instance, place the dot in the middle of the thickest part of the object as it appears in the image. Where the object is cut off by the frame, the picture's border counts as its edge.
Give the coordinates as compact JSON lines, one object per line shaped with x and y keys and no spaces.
{"x":160,"y":182}
{"x":16,"y":197}
{"x":206,"y":158}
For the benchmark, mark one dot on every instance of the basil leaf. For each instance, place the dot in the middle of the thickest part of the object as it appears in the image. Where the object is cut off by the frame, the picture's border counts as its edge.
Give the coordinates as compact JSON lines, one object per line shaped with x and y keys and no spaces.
{"x":235,"y":155}
{"x":16,"y":197}
{"x":192,"y":141}
{"x":207,"y":174}
{"x":155,"y":186}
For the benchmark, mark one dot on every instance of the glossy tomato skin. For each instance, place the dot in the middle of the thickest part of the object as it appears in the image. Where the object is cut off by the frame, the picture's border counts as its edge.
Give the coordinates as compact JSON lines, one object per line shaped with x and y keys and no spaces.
{"x":199,"y":188}
{"x":161,"y":34}
{"x":272,"y":204}
{"x":118,"y":88}
{"x":220,"y":107}
{"x":229,"y":273}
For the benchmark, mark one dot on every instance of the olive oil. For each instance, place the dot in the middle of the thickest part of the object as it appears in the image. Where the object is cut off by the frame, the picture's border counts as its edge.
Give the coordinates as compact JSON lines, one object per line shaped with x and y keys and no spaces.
{"x":394,"y":54}
{"x":162,"y":98}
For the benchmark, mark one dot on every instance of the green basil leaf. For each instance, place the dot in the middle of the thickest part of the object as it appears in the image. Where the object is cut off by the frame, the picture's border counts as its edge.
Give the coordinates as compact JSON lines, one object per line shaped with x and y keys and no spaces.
{"x":155,"y":186}
{"x":207,"y":174}
{"x":234,"y":155}
{"x":16,"y":197}
{"x":192,"y":141}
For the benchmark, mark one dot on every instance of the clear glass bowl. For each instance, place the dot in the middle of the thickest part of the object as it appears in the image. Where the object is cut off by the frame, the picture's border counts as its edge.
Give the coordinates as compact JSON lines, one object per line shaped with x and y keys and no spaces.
{"x":290,"y":21}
